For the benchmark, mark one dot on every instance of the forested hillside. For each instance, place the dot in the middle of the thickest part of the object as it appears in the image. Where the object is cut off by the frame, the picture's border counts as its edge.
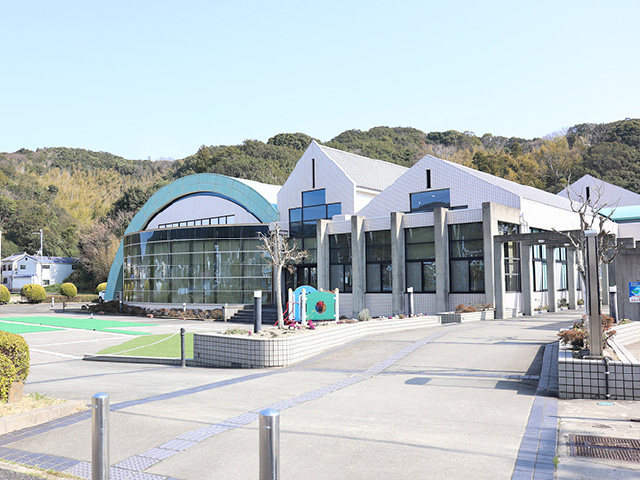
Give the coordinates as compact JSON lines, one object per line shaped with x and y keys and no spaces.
{"x":83,"y":200}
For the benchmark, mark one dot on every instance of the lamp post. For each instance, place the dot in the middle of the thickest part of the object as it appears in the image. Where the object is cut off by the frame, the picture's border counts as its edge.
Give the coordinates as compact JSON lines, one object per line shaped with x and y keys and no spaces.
{"x":40,"y":262}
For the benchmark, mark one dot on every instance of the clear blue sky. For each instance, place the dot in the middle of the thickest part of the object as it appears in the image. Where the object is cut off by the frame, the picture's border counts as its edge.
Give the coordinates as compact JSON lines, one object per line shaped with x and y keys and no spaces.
{"x":160,"y":78}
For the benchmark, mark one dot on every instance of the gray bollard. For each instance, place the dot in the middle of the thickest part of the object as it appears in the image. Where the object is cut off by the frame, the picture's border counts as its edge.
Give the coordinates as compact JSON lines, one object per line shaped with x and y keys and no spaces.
{"x":410,"y":301}
{"x":183,"y":354}
{"x":257,"y":311}
{"x":120,"y":307}
{"x":269,"y":444}
{"x":100,"y":463}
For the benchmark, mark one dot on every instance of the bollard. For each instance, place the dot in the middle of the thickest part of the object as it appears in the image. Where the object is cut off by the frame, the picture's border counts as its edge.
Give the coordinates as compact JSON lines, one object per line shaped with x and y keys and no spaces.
{"x":100,"y":437}
{"x":53,"y":302}
{"x":257,"y":311}
{"x":64,"y":305}
{"x":183,"y":355}
{"x":269,"y":444}
{"x":120,"y":307}
{"x":184,"y":306}
{"x":410,"y":298}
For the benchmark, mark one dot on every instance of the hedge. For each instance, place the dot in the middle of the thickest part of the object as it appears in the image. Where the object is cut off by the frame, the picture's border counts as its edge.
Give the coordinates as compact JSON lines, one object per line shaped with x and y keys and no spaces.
{"x":7,"y":377}
{"x":15,"y":348}
{"x":101,"y":287}
{"x":33,"y":293}
{"x":5,"y":295}
{"x":69,"y":290}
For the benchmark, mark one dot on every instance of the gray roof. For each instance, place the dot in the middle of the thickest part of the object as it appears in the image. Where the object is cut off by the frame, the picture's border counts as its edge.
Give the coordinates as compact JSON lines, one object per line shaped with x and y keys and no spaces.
{"x":45,"y":259}
{"x":523,"y":191}
{"x":612,"y":195}
{"x":365,"y":172}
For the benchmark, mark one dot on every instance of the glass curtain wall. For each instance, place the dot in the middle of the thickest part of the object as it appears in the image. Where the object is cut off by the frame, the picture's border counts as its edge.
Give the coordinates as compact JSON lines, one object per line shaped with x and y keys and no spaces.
{"x":378,"y":245}
{"x":420,"y":253}
{"x":340,"y":262}
{"x":196,"y":265}
{"x":511,"y":251}
{"x":466,"y":258}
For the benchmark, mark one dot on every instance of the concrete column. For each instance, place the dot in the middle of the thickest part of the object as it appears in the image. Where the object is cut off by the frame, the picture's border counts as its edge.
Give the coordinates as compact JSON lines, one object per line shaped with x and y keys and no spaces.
{"x":489,"y":230}
{"x":571,"y":278}
{"x":441,"y":234}
{"x":526,"y":272}
{"x":498,"y":278}
{"x":322,"y":261}
{"x":604,"y":283}
{"x":551,"y":279}
{"x":358,"y":263}
{"x":398,"y":279}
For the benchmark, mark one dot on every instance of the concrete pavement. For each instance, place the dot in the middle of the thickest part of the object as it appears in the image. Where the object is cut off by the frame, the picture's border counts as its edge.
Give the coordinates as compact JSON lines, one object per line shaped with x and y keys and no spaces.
{"x":444,"y":402}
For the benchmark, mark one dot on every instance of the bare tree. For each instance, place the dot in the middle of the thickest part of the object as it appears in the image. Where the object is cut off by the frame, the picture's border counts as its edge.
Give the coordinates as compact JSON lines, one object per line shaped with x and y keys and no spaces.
{"x":279,"y":254}
{"x":594,"y":213}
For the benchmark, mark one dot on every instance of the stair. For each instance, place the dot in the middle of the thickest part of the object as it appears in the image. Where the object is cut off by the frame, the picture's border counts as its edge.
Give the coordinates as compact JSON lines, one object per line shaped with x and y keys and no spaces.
{"x":269,"y":315}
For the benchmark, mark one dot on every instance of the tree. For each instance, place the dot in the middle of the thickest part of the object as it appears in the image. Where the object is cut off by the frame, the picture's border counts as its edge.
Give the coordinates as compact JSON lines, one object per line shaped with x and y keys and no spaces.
{"x":279,"y":253}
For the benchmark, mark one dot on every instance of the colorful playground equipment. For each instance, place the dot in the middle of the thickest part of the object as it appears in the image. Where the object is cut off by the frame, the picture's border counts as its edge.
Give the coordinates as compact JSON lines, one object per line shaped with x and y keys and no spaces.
{"x":306,"y":303}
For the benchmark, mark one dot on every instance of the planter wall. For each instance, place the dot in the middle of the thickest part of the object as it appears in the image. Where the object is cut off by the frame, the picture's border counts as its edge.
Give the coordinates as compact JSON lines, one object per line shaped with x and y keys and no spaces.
{"x":451,"y":317}
{"x":217,"y":350}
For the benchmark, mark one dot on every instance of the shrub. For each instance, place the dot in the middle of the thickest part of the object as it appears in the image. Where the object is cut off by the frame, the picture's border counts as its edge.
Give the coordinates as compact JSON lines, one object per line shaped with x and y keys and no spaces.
{"x":5,"y":296}
{"x":7,"y":376}
{"x":462,"y":308}
{"x":69,"y":290}
{"x":364,"y":315}
{"x":15,"y":348}
{"x":102,"y":287}
{"x":576,"y":336}
{"x":563,"y":303}
{"x":33,"y":293}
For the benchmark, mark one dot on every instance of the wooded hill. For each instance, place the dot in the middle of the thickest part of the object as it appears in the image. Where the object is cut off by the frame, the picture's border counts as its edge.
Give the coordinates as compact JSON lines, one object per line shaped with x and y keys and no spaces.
{"x":83,"y":200}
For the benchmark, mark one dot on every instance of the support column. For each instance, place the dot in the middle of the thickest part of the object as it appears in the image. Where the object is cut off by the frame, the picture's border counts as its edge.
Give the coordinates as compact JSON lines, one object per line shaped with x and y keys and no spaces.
{"x":526,"y":266}
{"x":571,"y":278}
{"x":489,"y":230}
{"x":322,"y":261}
{"x":441,"y":234}
{"x":551,"y":280}
{"x":498,"y":278}
{"x":604,"y":283}
{"x":358,"y":263}
{"x":398,"y":279}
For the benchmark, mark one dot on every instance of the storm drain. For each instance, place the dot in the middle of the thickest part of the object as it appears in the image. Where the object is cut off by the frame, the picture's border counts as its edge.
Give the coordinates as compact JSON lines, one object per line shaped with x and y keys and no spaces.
{"x":610,"y":448}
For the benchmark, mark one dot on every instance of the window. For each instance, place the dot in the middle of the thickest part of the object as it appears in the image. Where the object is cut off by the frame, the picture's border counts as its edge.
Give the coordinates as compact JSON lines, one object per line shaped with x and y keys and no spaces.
{"x":340,"y":262}
{"x":561,"y":268}
{"x":427,"y":201}
{"x":46,"y":267}
{"x":46,"y":283}
{"x":23,"y":267}
{"x":313,"y":197}
{"x":539,"y":259}
{"x":221,"y":220}
{"x":466,"y":258}
{"x":420,"y":259}
{"x":511,"y":252}
{"x":378,"y":246}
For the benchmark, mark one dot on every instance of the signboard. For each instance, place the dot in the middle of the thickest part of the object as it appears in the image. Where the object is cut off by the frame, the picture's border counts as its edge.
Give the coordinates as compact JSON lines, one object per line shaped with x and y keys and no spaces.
{"x":634,"y":292}
{"x":321,"y":306}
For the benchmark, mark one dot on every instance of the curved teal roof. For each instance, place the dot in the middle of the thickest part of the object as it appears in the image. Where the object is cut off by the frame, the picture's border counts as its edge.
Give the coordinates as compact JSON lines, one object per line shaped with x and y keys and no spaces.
{"x":240,"y":192}
{"x":626,"y":213}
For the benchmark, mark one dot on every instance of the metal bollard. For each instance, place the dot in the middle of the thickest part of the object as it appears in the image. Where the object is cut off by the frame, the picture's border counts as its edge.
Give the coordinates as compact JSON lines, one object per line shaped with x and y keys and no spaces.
{"x":184,"y":306}
{"x":269,"y":444}
{"x":183,"y":354}
{"x":410,"y":300}
{"x":120,"y":307}
{"x":53,"y":302}
{"x":257,"y":311}
{"x":100,"y":437}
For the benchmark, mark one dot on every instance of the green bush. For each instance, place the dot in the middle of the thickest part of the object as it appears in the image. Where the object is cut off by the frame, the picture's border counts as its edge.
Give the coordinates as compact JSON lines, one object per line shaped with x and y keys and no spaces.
{"x":7,"y":377}
{"x":102,"y":287}
{"x":15,"y":348}
{"x":69,"y":290}
{"x":33,"y":293}
{"x":5,"y":296}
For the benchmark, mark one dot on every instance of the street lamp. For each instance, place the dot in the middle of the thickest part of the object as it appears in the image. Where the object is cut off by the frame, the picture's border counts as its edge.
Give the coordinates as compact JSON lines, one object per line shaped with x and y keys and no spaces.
{"x":41,"y":252}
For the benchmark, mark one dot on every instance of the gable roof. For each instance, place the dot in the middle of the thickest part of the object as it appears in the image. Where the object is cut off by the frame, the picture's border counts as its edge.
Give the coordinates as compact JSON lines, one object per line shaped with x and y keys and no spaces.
{"x":365,"y":172}
{"x":612,"y":195}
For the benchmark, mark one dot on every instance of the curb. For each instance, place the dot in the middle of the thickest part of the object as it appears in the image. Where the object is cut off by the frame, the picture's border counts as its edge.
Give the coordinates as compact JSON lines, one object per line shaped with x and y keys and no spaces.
{"x":40,"y":415}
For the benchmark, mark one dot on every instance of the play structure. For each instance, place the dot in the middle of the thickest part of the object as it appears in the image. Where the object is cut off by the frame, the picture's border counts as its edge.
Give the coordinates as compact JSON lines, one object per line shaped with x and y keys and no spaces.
{"x":306,"y":303}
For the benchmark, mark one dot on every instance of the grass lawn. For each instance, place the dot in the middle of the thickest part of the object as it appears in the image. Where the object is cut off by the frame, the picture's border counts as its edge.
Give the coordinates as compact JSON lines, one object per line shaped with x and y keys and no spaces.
{"x":153,"y":346}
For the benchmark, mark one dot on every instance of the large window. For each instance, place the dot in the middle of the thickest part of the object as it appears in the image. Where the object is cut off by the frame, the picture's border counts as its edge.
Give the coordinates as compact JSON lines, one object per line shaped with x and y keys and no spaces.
{"x":427,"y":201}
{"x":511,"y":251}
{"x":561,"y":268}
{"x":420,"y":259}
{"x":378,"y":245}
{"x":539,"y":259}
{"x":466,"y":258}
{"x":340,"y":260}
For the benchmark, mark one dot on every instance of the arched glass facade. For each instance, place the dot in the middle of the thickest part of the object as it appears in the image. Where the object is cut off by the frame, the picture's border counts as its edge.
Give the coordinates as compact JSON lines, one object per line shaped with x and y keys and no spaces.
{"x":213,"y":265}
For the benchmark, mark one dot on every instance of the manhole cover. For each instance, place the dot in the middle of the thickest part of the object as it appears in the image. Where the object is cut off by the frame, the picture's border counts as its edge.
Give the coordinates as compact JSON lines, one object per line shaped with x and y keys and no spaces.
{"x":610,"y":448}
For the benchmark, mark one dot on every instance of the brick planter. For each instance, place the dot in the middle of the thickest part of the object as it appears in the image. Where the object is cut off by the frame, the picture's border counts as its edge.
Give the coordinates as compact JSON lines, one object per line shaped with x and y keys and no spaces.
{"x":451,"y":317}
{"x":217,"y":350}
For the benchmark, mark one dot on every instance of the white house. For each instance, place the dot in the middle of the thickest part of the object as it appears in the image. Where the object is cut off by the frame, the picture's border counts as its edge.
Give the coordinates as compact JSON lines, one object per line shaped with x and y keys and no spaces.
{"x":22,"y":269}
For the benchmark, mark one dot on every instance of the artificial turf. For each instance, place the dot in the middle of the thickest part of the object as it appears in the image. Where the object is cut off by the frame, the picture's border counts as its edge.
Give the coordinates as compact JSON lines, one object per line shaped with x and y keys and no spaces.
{"x":20,"y":328}
{"x":169,"y":348}
{"x":95,"y":324}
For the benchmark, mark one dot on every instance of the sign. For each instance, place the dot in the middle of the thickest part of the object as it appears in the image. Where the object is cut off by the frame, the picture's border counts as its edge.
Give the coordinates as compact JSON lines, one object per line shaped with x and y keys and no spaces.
{"x":634,"y":292}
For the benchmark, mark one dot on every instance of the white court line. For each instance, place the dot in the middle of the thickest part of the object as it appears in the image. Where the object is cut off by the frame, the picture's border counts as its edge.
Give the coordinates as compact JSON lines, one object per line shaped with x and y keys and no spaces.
{"x":81,"y":341}
{"x":55,"y":354}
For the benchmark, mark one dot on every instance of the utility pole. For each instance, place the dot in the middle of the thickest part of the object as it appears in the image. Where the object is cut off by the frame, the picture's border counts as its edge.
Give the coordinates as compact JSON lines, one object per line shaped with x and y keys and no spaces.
{"x":39,"y":274}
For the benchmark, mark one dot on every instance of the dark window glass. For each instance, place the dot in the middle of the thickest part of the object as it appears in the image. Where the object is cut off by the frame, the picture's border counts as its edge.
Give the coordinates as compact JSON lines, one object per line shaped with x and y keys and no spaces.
{"x":334,"y":209}
{"x":378,"y":247}
{"x":314,"y":213}
{"x":295,"y":215}
{"x":427,"y":201}
{"x":466,"y":253}
{"x":511,"y":252}
{"x":420,"y":259}
{"x":313,"y":197}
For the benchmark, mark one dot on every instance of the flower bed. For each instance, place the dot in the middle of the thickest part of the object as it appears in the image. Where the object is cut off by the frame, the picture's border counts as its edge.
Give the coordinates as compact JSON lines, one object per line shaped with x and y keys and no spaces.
{"x":452,"y":317}
{"x":219,"y":350}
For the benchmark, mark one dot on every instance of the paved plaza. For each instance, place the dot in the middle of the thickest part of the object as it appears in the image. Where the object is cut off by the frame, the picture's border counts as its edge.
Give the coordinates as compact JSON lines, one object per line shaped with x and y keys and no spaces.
{"x":447,"y":402}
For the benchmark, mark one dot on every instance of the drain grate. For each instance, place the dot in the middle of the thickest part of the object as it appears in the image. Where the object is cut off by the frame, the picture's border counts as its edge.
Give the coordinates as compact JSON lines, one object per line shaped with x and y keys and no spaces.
{"x":610,"y":448}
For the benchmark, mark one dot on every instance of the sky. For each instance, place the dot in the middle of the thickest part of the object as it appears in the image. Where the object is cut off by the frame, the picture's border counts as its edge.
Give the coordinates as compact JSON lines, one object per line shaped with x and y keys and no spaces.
{"x":158,"y":79}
